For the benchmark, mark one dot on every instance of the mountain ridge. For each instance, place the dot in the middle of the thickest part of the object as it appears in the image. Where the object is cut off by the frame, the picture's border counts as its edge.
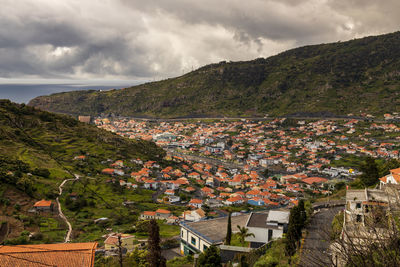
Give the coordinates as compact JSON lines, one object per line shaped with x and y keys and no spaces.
{"x":340,"y":78}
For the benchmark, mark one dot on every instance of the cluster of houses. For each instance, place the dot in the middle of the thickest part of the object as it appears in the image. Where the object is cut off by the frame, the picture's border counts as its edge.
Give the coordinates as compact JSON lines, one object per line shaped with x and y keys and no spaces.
{"x":202,"y":184}
{"x":308,"y":147}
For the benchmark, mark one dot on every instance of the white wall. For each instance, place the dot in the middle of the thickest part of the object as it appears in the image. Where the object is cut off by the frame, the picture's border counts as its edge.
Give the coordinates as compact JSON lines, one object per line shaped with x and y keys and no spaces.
{"x":261,"y":235}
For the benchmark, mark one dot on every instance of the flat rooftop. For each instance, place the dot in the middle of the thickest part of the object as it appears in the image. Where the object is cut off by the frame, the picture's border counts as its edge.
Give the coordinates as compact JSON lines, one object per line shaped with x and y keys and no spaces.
{"x":214,"y":231}
{"x":358,"y":195}
{"x":258,"y":220}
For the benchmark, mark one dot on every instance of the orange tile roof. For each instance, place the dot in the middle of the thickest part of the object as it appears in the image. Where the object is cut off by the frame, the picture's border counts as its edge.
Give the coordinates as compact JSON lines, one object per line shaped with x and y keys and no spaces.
{"x":113,"y":239}
{"x":43,"y":203}
{"x":60,"y":255}
{"x":311,"y":180}
{"x":196,"y":201}
{"x":395,"y":171}
{"x":234,"y":199}
{"x":149,"y":213}
{"x":163,"y":211}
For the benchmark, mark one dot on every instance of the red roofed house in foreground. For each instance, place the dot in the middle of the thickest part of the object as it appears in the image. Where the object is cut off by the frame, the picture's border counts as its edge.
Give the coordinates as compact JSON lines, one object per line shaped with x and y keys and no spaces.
{"x":60,"y":255}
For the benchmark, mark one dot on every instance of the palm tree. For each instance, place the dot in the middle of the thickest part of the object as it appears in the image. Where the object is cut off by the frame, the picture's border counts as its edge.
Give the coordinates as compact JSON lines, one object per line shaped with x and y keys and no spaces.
{"x":243,"y":233}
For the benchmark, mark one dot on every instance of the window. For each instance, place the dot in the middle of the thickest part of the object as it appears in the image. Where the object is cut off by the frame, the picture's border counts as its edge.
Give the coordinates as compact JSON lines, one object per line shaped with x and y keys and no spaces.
{"x":205,"y":247}
{"x":193,"y":240}
{"x":358,"y":206}
{"x":358,"y":218}
{"x":182,"y":233}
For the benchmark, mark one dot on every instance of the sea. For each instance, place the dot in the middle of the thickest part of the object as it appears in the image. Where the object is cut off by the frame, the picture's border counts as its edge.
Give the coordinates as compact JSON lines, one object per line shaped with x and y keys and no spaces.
{"x":23,"y":93}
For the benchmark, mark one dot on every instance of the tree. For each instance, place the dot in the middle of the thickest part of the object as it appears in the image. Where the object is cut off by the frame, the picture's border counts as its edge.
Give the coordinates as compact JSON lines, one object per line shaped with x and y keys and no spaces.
{"x":229,"y":231}
{"x":293,"y":235}
{"x":243,"y":233}
{"x":155,"y":258}
{"x":265,"y":173}
{"x":387,"y":166}
{"x":302,"y":212}
{"x":210,"y":257}
{"x":370,"y":172}
{"x":138,"y":257}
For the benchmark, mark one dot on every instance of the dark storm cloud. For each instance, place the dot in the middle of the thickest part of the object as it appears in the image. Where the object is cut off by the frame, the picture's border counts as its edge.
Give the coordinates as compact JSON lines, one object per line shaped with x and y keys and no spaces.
{"x":94,"y":39}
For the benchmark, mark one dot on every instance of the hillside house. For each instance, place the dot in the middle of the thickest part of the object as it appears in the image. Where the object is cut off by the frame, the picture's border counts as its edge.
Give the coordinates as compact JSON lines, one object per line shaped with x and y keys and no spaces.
{"x":392,"y":178}
{"x":44,"y":205}
{"x":266,"y":226}
{"x":196,"y":237}
{"x":194,"y":215}
{"x":196,"y":203}
{"x":127,"y":242}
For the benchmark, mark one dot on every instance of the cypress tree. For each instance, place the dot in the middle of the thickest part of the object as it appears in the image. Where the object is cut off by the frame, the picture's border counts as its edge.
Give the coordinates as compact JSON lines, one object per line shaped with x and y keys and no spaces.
{"x":303,"y":215}
{"x":155,"y":258}
{"x":370,"y":172}
{"x":294,"y":231}
{"x":229,"y":231}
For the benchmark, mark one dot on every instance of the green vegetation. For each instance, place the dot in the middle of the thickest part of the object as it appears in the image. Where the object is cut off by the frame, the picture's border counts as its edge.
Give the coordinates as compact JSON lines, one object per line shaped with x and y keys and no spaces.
{"x":210,"y":257}
{"x":297,"y":222}
{"x":337,"y":225}
{"x":37,"y":152}
{"x":186,"y":261}
{"x":242,"y":234}
{"x":275,"y":256}
{"x":370,"y":172}
{"x":155,"y":259}
{"x":237,"y":241}
{"x":343,"y":77}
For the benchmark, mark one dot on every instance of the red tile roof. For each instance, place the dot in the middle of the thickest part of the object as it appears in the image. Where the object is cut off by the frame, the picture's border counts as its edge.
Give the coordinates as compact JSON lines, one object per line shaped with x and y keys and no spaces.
{"x":43,"y":203}
{"x":196,"y":201}
{"x":149,"y":213}
{"x":163,"y":211}
{"x":60,"y":255}
{"x":311,"y":180}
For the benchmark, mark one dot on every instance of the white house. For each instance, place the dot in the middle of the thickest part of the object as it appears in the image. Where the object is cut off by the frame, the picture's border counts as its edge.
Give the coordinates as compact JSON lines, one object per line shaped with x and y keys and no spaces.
{"x":392,"y":178}
{"x":198,"y":236}
{"x":194,"y":215}
{"x":266,"y":226}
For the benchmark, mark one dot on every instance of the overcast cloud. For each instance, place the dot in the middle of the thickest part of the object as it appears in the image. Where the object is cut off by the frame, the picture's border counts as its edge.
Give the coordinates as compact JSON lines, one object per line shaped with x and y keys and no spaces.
{"x":146,"y":39}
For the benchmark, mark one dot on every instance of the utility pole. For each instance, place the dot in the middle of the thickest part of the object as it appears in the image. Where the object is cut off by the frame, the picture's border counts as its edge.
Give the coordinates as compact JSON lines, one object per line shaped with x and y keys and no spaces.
{"x":120,"y":250}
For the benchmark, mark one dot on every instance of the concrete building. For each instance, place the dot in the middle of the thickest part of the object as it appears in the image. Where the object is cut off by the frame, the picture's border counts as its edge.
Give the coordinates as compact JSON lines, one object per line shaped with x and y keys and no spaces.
{"x":198,"y":236}
{"x":85,"y":119}
{"x":266,"y":226}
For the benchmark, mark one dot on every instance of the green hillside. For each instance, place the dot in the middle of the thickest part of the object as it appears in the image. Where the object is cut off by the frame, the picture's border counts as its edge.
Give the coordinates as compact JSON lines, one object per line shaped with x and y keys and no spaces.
{"x":37,"y":151}
{"x":343,"y":77}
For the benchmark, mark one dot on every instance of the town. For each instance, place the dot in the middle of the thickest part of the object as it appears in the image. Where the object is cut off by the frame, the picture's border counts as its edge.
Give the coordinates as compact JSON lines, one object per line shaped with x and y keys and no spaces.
{"x":256,"y":170}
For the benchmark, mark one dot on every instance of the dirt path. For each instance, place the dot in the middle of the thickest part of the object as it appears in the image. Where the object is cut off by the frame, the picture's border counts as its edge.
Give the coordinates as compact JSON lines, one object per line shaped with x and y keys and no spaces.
{"x":60,"y":213}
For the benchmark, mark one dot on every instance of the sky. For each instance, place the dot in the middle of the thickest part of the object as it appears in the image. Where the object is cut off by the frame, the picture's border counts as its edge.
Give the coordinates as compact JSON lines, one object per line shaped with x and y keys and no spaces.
{"x":129,"y":41}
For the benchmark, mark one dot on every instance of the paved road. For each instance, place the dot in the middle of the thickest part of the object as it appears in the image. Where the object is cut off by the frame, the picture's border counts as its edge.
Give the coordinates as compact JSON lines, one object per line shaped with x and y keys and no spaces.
{"x":316,"y":244}
{"x":258,"y":118}
{"x":60,"y":213}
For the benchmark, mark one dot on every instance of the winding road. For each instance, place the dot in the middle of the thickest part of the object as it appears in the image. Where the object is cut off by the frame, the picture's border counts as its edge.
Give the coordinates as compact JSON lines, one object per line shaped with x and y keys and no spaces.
{"x":60,"y":213}
{"x":316,"y":244}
